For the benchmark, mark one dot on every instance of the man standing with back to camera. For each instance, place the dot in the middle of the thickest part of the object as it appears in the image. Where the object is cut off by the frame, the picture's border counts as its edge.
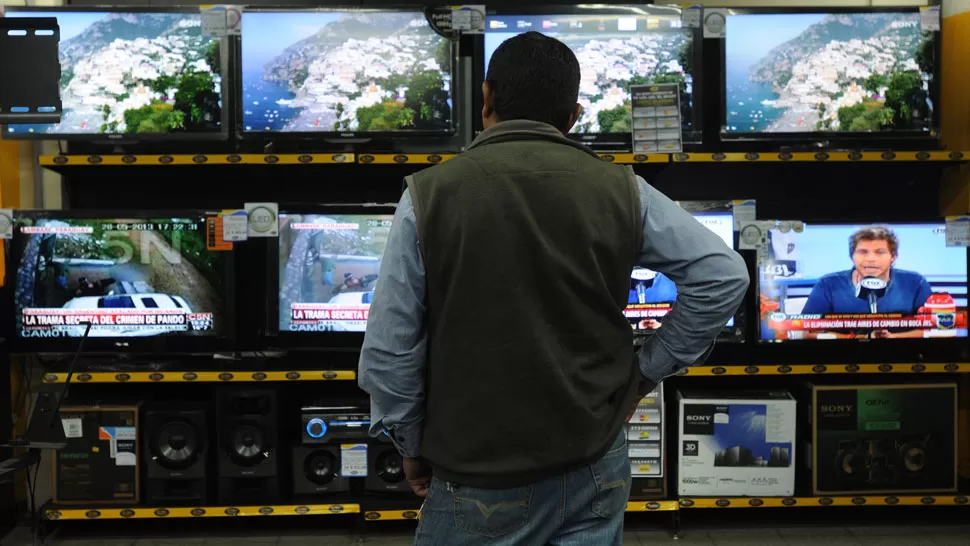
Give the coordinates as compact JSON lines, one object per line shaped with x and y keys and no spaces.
{"x":497,"y":355}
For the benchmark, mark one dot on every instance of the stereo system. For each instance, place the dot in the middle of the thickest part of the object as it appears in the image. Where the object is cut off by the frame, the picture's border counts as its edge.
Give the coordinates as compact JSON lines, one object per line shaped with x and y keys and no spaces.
{"x":332,"y":449}
{"x":248,"y":442}
{"x":176,"y":455}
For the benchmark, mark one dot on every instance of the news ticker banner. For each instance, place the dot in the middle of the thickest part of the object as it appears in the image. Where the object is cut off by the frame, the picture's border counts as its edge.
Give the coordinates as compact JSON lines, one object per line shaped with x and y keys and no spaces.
{"x":934,"y":324}
{"x":74,"y":321}
{"x":657,"y":124}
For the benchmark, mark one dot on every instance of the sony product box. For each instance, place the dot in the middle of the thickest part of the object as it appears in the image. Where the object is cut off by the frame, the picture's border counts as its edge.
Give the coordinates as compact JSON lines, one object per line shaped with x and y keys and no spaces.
{"x":883,"y":439}
{"x":101,"y":461}
{"x":737,"y":445}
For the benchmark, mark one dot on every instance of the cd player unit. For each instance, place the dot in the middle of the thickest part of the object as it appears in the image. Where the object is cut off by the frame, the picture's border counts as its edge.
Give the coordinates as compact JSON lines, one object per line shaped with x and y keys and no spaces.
{"x":323,"y":424}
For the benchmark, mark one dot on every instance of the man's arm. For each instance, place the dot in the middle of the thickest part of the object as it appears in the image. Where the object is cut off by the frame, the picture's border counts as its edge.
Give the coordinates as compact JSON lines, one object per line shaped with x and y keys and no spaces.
{"x":711,"y":280}
{"x":393,"y":357}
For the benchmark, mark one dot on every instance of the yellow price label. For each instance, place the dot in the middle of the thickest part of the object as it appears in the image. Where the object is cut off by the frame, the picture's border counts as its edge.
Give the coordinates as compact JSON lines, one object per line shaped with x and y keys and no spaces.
{"x":644,"y":435}
{"x":644,"y":418}
{"x":643,"y":468}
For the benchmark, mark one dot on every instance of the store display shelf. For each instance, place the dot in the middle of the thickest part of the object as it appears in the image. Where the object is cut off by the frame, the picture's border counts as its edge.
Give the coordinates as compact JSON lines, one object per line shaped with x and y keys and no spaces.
{"x":828,"y":369}
{"x":803,"y":502}
{"x":59,"y":161}
{"x":821,"y":157}
{"x":203,"y":377}
{"x":634,"y":159}
{"x":652,"y":506}
{"x":88,"y":514}
{"x":391,"y":515}
{"x":402,"y":159}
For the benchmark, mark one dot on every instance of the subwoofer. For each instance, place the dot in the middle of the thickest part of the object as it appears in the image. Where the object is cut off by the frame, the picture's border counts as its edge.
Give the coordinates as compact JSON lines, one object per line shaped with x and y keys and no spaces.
{"x":248,"y":439}
{"x":176,"y":451}
{"x":385,"y":469}
{"x":316,"y":469}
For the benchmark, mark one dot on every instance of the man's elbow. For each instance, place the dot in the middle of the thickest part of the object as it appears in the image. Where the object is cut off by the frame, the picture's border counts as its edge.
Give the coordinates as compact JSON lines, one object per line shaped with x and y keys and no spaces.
{"x":737,"y":276}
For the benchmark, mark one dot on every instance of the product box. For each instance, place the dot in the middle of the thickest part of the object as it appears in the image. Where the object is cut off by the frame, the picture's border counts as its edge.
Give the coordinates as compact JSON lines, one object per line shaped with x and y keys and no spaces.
{"x":101,"y":460}
{"x":741,"y":444}
{"x":882,"y":438}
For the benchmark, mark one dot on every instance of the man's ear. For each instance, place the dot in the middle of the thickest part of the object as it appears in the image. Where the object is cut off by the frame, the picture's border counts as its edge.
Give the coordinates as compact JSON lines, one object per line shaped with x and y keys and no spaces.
{"x":574,"y":117}
{"x":488,"y":104}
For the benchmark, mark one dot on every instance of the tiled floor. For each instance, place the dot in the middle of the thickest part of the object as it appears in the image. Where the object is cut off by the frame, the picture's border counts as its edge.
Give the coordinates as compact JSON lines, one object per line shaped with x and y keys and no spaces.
{"x":754,"y":534}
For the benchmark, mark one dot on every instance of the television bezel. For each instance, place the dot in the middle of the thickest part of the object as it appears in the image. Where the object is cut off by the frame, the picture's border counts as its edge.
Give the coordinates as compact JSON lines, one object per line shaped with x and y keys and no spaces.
{"x":845,"y":346}
{"x":728,"y":334}
{"x":837,"y":137}
{"x":311,"y":340}
{"x":226,"y":89}
{"x":694,"y":137}
{"x":158,"y":345}
{"x":346,"y":135}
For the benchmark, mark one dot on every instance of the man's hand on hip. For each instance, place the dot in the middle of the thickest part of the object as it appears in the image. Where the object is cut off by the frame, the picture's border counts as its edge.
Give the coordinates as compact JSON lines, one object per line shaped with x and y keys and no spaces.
{"x":418,"y":474}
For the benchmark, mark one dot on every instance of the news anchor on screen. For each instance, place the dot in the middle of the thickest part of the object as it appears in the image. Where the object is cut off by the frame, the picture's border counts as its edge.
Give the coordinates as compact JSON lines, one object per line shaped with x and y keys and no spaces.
{"x":873,"y":285}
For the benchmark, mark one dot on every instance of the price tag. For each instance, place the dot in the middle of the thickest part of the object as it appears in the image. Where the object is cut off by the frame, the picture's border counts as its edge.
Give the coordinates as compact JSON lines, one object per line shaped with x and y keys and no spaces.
{"x":221,"y":21}
{"x":72,"y":427}
{"x":715,"y":22}
{"x":235,"y":226}
{"x":958,"y":231}
{"x":264,"y":219}
{"x":353,"y":460}
{"x":929,"y":18}
{"x":6,"y":224}
{"x":690,"y":16}
{"x":468,"y":19}
{"x":656,"y":118}
{"x":745,"y":212}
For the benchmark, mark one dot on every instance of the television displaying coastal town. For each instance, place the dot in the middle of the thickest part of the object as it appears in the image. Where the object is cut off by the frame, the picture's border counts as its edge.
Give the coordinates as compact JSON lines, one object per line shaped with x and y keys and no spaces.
{"x":611,"y":63}
{"x":135,"y":73}
{"x":345,"y":72}
{"x":848,"y":72}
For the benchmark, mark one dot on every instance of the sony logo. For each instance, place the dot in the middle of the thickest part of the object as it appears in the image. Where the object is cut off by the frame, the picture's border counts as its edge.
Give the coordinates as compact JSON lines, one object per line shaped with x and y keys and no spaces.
{"x":702,"y":418}
{"x":837,"y":408}
{"x":877,"y":402}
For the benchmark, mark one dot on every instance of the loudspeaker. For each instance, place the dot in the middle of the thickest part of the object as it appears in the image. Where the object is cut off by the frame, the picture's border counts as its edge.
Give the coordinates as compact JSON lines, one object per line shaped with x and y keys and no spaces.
{"x":385,"y":469}
{"x":176,"y":448}
{"x":316,"y":469}
{"x":248,"y":439}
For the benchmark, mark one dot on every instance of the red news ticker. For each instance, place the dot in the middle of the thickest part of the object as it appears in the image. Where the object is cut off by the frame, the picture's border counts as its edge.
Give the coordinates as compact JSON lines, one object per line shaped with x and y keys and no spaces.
{"x":314,"y":312}
{"x":837,"y":322}
{"x":113,"y":317}
{"x":34,"y":230}
{"x":647,"y":310}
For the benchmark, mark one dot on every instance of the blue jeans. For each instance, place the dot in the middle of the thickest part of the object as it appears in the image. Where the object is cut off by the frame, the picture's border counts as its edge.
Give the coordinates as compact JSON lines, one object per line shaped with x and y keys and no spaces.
{"x":582,"y":507}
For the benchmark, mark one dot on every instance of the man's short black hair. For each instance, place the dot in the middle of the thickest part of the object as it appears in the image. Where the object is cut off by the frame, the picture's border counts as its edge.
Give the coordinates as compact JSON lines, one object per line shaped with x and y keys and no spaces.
{"x":534,"y":77}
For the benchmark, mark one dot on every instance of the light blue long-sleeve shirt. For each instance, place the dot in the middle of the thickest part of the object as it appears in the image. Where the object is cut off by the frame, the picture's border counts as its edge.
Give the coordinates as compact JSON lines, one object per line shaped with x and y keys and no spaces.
{"x":711,"y":281}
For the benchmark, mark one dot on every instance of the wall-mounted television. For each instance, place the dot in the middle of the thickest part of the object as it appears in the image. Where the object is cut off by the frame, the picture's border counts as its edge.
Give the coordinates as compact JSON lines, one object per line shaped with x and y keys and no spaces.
{"x":345,"y":73}
{"x":142,"y":280}
{"x":863,"y":281}
{"x":616,"y":46}
{"x":137,"y":74}
{"x":329,"y":261}
{"x":653,"y":295}
{"x":830,"y":74}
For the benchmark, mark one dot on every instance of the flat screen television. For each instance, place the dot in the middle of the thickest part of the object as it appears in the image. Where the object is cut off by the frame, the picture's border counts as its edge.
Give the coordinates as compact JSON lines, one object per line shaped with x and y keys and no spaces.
{"x":861,"y":281}
{"x":616,"y":46}
{"x":830,"y":74}
{"x":328,"y":266}
{"x":137,"y":74}
{"x":653,"y":295}
{"x":142,"y":280}
{"x":345,"y":73}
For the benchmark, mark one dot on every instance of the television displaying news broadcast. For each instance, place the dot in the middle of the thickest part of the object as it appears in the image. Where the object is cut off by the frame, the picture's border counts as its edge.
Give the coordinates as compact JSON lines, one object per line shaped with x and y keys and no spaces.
{"x":328,"y":270}
{"x":863,"y":282}
{"x":652,"y":294}
{"x":125,"y":277}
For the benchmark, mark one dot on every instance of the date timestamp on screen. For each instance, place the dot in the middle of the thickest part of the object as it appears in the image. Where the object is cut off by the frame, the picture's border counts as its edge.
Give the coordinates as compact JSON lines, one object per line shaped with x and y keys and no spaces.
{"x":151,"y":226}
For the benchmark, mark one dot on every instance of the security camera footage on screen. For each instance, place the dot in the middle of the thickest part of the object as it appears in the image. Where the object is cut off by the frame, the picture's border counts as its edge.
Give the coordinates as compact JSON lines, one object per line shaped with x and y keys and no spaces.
{"x":614,"y":52}
{"x":848,"y":72}
{"x":126,"y":277}
{"x":653,"y":294}
{"x":344,"y":72}
{"x":134,"y":73}
{"x":862,"y":281}
{"x":328,"y":270}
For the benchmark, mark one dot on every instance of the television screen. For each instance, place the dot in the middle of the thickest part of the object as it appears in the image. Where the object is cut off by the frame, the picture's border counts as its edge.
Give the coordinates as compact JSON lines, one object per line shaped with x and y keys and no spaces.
{"x":614,"y":52}
{"x":863,"y":281}
{"x":328,"y":269}
{"x":828,"y":72}
{"x":127,"y":277}
{"x":135,"y":74}
{"x":652,"y":294}
{"x":344,"y":72}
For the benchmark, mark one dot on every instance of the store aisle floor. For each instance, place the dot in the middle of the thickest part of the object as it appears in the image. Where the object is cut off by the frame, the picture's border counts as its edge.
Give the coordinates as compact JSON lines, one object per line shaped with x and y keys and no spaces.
{"x":888,"y":534}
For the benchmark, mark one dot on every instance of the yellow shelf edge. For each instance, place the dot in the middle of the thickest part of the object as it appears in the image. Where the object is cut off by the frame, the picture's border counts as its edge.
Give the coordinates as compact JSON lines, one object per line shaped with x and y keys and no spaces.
{"x":55,"y":161}
{"x":821,"y":157}
{"x":403,"y":159}
{"x":391,"y":515}
{"x":203,"y":377}
{"x":827,"y":369}
{"x":823,"y":502}
{"x":89,"y":514}
{"x":652,"y":506}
